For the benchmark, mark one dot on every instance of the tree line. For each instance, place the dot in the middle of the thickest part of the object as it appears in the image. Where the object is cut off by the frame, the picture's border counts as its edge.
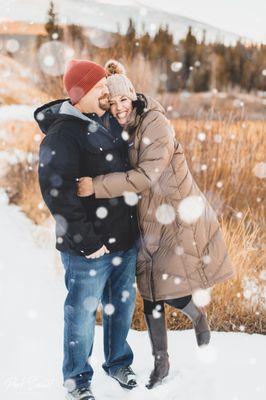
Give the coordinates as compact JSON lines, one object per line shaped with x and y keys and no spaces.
{"x":191,"y":64}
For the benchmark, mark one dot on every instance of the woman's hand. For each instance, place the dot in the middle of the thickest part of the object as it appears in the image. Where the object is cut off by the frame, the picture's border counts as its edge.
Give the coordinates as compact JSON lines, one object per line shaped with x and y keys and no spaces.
{"x":85,"y":187}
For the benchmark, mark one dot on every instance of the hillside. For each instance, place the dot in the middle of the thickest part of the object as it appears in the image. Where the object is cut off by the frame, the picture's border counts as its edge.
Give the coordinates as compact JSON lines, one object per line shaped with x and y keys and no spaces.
{"x":17,"y":84}
{"x":109,"y":15}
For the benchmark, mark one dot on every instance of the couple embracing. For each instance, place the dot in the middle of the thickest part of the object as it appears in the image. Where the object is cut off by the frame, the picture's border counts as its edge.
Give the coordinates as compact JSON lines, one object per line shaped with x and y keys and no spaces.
{"x":116,"y":180}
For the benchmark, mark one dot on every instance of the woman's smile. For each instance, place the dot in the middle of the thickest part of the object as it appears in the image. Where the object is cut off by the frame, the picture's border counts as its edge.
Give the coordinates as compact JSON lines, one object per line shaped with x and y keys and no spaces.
{"x":122,"y":115}
{"x":121,"y":108}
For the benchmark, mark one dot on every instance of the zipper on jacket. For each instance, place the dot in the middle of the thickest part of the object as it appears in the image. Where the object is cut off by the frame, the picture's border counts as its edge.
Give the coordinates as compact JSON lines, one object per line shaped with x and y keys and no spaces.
{"x":136,"y":135}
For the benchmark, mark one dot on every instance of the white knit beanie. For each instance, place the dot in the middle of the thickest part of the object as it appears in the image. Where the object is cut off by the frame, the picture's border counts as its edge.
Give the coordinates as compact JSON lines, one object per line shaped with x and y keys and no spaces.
{"x":117,"y":81}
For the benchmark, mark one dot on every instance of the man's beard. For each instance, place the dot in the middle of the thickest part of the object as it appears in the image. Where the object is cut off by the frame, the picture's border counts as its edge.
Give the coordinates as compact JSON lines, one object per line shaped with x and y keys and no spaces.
{"x":104,"y":102}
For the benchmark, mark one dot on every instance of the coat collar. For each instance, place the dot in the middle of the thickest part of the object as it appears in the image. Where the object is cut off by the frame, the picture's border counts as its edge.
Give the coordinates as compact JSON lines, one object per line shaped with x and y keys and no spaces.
{"x":135,"y":119}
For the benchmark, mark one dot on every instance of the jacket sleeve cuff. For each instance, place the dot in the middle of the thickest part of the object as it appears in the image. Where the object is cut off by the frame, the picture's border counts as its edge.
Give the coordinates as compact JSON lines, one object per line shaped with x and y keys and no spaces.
{"x":100,"y":190}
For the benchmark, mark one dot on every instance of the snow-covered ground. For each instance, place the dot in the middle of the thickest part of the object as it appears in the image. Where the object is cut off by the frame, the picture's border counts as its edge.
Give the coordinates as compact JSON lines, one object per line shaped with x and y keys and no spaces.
{"x":32,"y":293}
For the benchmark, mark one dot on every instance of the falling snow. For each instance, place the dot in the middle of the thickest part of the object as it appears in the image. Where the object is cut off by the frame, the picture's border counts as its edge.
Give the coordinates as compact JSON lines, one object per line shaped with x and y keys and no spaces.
{"x":36,"y":373}
{"x":202,"y":297}
{"x":109,"y":157}
{"x":179,"y":250}
{"x":117,"y":261}
{"x":260,"y":170}
{"x":90,"y":304}
{"x":191,"y":208}
{"x":201,"y":136}
{"x":176,"y":66}
{"x":125,"y":135}
{"x":109,"y":309}
{"x":101,"y":212}
{"x":165,"y":214}
{"x":53,"y":57}
{"x":130,"y":198}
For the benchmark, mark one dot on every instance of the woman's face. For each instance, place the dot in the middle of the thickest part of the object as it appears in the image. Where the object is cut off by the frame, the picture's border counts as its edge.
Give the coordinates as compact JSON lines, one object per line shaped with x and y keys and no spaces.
{"x":121,"y":108}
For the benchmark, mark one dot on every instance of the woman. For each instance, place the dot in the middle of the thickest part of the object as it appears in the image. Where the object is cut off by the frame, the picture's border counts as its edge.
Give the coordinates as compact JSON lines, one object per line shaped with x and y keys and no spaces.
{"x":182,"y":248}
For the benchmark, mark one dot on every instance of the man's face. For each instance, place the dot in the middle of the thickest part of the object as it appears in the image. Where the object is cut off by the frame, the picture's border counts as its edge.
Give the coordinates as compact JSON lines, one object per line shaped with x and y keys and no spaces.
{"x":96,"y":100}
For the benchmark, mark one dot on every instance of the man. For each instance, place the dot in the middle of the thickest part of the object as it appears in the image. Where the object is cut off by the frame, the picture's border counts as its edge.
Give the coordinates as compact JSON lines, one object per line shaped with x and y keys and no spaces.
{"x":96,"y":238}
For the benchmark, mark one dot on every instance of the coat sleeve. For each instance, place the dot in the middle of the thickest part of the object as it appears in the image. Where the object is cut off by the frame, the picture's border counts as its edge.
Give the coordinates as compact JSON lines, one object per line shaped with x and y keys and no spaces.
{"x":58,"y":170}
{"x":155,"y":153}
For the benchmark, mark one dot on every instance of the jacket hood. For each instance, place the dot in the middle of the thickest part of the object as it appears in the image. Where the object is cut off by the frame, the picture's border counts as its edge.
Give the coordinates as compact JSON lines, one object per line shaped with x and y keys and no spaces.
{"x":152,"y":105}
{"x":51,"y":112}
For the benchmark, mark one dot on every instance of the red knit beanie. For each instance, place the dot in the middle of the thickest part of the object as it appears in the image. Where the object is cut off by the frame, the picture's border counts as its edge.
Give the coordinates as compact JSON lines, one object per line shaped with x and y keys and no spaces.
{"x":80,"y":77}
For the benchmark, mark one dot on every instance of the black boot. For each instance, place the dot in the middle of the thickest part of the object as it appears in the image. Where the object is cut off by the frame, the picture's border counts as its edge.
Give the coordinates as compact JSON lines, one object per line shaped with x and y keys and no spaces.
{"x":199,"y":319}
{"x":157,"y":330}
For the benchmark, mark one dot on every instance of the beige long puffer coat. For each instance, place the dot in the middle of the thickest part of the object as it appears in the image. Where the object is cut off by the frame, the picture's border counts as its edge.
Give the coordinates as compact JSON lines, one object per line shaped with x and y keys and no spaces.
{"x":182,"y":246}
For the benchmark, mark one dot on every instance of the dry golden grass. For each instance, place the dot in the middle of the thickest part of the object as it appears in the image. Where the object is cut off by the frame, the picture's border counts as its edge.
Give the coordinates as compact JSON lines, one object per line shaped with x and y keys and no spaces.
{"x":17,"y":83}
{"x":231,"y":309}
{"x":229,"y":107}
{"x":239,"y":202}
{"x":231,"y":162}
{"x":21,"y":181}
{"x":24,"y":136}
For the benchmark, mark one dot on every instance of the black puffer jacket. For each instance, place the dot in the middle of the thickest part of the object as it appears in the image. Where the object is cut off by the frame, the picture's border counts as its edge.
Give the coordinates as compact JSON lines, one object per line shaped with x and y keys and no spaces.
{"x":79,"y":145}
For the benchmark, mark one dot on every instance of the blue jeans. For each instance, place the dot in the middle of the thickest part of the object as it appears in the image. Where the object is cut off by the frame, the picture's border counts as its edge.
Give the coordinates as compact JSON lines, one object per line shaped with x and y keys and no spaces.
{"x":90,"y":281}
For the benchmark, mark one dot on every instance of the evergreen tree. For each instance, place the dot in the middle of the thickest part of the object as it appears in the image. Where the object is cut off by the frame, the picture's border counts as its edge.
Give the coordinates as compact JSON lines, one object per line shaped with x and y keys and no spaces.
{"x":52,"y":28}
{"x":189,"y":46}
{"x":130,"y":39}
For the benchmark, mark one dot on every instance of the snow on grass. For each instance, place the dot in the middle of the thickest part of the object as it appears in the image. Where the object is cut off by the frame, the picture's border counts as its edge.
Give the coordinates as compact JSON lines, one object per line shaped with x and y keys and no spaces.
{"x":15,"y":156}
{"x":16,"y":112}
{"x":31,"y":296}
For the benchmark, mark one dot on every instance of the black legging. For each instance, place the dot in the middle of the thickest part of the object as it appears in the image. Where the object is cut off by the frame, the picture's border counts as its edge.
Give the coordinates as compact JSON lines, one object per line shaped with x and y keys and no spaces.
{"x":180,"y":303}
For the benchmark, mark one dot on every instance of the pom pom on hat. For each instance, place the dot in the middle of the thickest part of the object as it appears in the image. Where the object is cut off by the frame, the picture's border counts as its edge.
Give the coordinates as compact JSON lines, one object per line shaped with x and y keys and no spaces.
{"x":117,"y":81}
{"x":114,"y":67}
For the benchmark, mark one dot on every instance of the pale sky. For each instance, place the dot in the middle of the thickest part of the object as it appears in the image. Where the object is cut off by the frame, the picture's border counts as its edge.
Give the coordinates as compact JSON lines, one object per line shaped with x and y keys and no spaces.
{"x":244,"y":17}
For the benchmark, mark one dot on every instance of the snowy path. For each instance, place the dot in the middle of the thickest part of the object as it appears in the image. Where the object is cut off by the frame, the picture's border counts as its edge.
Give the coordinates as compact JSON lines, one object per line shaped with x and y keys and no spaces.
{"x":31,"y":301}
